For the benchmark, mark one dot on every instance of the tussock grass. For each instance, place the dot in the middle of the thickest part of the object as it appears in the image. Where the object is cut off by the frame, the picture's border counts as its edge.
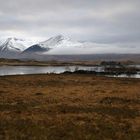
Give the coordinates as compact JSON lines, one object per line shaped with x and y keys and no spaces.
{"x":69,"y":107}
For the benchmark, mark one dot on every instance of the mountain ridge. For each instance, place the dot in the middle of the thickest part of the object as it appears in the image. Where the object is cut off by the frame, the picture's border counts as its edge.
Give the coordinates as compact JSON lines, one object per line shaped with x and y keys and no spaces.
{"x":58,"y":41}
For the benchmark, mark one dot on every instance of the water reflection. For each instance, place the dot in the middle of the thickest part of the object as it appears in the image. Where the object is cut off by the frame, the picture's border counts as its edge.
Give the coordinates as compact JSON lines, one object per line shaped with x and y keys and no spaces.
{"x":15,"y":70}
{"x":21,"y":70}
{"x":126,"y":75}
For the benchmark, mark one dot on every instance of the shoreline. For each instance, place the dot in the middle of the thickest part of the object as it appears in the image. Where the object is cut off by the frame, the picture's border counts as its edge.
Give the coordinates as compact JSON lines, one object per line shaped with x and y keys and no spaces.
{"x":16,"y":62}
{"x":70,"y":74}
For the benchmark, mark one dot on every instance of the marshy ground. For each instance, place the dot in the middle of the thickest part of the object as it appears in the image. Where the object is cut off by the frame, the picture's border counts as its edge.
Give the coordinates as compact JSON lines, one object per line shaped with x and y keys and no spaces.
{"x":69,"y":107}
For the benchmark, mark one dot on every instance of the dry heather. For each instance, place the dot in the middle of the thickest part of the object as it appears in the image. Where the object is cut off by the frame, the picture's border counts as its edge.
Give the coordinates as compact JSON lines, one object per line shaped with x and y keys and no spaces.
{"x":69,"y":107}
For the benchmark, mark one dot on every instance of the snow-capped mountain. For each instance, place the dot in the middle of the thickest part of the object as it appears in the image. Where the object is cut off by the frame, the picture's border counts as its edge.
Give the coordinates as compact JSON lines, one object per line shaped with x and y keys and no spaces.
{"x":13,"y":46}
{"x":52,"y":43}
{"x":20,"y":48}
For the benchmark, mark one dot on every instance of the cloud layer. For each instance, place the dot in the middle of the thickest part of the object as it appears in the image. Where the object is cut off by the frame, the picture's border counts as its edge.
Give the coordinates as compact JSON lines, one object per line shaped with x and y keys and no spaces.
{"x":115,"y":23}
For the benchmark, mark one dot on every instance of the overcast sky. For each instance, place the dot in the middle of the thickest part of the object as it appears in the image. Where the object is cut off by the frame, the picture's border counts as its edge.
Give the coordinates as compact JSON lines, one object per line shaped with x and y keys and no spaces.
{"x":100,"y":21}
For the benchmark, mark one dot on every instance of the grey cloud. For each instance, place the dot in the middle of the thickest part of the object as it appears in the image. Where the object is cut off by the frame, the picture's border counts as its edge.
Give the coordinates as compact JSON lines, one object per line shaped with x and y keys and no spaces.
{"x":105,"y":21}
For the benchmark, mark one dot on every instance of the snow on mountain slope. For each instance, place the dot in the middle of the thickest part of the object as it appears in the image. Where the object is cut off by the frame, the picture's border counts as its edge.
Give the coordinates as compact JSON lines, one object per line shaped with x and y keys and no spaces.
{"x":11,"y":45}
{"x":55,"y":45}
{"x":52,"y":43}
{"x":58,"y":41}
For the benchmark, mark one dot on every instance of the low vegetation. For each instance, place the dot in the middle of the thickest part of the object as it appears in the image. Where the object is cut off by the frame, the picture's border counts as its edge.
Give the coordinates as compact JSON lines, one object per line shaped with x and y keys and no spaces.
{"x":69,"y":107}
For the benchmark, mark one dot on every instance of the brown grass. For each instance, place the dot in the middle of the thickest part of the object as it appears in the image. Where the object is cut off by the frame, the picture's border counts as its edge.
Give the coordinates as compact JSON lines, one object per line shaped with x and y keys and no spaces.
{"x":69,"y":107}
